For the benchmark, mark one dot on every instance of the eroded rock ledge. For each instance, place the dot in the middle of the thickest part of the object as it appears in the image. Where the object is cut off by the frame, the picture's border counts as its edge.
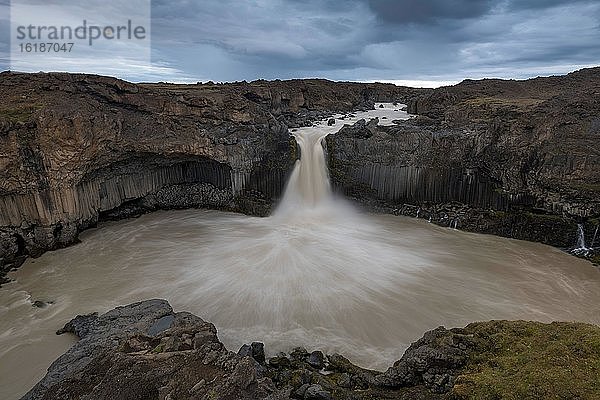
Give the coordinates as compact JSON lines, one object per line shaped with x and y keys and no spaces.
{"x":75,"y":149}
{"x":514,"y":158}
{"x":146,"y":351}
{"x":519,"y":159}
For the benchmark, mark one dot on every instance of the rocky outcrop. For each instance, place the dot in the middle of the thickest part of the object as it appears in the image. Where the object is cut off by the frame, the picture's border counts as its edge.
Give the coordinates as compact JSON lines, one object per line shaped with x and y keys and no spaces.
{"x":299,"y":102}
{"x":146,"y":351}
{"x":75,"y":149}
{"x":514,"y":158}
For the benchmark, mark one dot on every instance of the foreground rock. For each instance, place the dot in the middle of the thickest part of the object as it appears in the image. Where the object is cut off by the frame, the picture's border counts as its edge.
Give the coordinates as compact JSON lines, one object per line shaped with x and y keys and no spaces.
{"x":146,"y":351}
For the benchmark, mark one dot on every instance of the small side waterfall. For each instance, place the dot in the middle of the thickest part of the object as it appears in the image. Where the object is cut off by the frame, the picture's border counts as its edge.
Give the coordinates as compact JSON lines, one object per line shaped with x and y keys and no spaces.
{"x":580,"y":238}
{"x":454,"y":224}
{"x":594,"y":238}
{"x":581,"y":249}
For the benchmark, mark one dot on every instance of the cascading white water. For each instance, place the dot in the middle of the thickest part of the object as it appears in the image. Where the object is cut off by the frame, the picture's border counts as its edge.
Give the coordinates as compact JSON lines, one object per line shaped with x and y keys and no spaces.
{"x":317,"y":274}
{"x":308,"y":187}
{"x":580,"y":238}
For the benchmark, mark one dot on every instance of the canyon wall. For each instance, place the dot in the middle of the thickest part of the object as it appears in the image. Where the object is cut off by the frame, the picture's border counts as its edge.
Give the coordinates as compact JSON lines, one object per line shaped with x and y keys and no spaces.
{"x":75,"y":149}
{"x":515,"y":158}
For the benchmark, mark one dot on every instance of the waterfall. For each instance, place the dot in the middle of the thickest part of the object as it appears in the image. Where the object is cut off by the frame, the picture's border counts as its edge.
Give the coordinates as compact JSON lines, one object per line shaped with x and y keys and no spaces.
{"x":308,"y":197}
{"x":308,"y":190}
{"x":308,"y":186}
{"x":580,"y":238}
{"x":594,"y":238}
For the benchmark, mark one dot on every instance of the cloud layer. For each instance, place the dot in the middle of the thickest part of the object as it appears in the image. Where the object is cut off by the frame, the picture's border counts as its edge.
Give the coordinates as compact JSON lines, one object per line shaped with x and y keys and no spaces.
{"x":361,"y":40}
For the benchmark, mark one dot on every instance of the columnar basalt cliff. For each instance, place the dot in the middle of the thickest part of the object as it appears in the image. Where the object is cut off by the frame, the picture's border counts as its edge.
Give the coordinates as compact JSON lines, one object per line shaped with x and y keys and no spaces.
{"x":515,"y":158}
{"x":78,"y":148}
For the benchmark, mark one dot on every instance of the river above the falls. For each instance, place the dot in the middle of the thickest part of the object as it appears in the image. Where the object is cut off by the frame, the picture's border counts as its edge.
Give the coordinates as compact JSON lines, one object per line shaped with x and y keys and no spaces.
{"x":318,"y":274}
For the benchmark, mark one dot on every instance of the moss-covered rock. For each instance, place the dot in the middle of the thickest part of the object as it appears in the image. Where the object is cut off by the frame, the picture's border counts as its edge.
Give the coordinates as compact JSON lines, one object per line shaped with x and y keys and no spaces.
{"x":531,"y":360}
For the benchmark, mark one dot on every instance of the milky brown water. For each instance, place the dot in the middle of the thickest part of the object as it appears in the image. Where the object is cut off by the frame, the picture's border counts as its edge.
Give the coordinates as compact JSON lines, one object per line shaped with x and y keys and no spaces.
{"x":317,"y":274}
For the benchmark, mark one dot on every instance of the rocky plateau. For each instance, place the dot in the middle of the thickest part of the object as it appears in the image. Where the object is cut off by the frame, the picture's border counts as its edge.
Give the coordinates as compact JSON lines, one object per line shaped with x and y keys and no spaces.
{"x":519,"y":159}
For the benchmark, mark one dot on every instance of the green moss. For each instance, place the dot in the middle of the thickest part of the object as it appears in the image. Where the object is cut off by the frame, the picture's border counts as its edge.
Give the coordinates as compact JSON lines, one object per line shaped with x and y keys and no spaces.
{"x":18,"y":112}
{"x":213,"y":394}
{"x":158,"y":349}
{"x":530,"y":360}
{"x":296,"y":379}
{"x":16,"y":115}
{"x":527,"y":214}
{"x":547,"y":217}
{"x":502,"y":101}
{"x":293,"y":149}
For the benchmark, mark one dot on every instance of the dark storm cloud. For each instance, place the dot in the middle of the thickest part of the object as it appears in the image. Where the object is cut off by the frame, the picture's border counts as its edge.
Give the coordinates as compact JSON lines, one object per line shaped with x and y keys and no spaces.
{"x":419,"y":11}
{"x":370,"y":39}
{"x":260,"y":39}
{"x":540,"y":4}
{"x":375,"y":39}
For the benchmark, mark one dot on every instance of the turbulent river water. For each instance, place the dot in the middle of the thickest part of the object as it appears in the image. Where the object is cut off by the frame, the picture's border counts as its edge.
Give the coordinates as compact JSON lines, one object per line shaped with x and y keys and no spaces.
{"x":317,"y":273}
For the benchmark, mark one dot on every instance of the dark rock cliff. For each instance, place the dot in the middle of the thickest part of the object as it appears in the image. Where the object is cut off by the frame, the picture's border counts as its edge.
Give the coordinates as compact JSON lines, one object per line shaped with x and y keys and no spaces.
{"x":515,"y":158}
{"x":78,"y":148}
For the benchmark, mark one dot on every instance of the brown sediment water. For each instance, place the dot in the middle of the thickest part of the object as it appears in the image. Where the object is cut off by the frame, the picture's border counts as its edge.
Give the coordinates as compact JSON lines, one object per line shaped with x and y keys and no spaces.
{"x":317,"y":274}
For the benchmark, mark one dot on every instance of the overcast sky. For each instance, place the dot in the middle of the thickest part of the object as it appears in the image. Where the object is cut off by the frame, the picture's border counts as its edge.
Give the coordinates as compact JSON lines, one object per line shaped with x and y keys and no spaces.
{"x":419,"y":42}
